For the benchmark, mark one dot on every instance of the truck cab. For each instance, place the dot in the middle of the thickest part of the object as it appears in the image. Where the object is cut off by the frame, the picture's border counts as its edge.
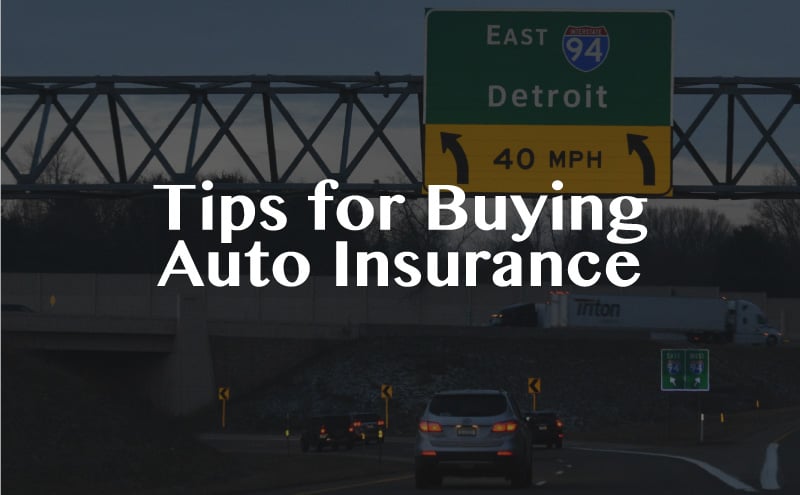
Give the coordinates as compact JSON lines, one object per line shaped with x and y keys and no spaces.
{"x":748,"y":325}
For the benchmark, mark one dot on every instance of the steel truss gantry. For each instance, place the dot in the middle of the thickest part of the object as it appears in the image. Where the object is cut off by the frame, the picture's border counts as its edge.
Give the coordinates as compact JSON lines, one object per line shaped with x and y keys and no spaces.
{"x":42,"y":96}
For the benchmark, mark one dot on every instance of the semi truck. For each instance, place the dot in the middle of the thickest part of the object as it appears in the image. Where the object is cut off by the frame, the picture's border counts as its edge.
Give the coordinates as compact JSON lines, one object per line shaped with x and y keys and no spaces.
{"x":707,"y":319}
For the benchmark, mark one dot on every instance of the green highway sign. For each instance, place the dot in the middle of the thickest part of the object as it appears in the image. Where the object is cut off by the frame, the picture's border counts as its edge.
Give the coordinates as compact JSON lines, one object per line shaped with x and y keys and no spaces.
{"x":517,"y":99}
{"x":685,"y":370}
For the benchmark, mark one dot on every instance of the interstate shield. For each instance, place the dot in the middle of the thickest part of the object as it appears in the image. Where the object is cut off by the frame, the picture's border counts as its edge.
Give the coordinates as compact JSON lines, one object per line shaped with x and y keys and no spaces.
{"x":585,"y":47}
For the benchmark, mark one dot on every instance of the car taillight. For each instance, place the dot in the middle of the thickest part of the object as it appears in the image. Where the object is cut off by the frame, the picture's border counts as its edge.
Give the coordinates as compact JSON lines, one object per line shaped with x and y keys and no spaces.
{"x":381,"y":422}
{"x":351,"y":429}
{"x":323,"y":430}
{"x":505,"y":453}
{"x":505,"y":426}
{"x":428,"y":453}
{"x":356,"y":424}
{"x":430,"y":426}
{"x":559,"y":423}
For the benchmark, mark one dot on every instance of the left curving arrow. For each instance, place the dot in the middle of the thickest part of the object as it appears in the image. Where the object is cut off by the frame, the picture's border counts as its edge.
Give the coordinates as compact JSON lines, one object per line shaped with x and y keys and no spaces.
{"x":636,"y":143}
{"x":450,"y":142}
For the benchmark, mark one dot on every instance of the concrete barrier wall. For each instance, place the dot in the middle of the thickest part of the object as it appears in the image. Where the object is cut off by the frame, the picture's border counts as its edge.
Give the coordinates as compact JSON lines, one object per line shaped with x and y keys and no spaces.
{"x":22,"y":288}
{"x":318,"y":301}
{"x":329,"y":303}
{"x":123,"y":295}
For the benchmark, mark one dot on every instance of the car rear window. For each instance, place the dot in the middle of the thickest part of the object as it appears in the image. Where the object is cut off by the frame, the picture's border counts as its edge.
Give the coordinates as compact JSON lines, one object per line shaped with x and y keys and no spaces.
{"x":468,"y":405}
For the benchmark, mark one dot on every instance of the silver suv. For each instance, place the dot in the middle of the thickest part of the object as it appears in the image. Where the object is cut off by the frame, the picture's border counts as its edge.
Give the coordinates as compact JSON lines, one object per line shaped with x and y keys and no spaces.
{"x":472,"y":433}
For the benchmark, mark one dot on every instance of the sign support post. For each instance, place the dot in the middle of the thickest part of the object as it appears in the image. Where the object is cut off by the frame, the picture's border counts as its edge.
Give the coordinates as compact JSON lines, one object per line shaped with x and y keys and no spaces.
{"x":386,"y":395}
{"x":223,"y":394}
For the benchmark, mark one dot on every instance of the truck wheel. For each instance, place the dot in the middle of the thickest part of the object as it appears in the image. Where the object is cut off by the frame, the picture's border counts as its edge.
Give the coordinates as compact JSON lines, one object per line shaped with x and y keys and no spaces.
{"x":772,"y":341}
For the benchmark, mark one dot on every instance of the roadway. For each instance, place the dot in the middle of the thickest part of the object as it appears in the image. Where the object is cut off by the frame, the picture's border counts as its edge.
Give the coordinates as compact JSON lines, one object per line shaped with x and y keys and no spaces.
{"x":567,"y":471}
{"x":583,"y":468}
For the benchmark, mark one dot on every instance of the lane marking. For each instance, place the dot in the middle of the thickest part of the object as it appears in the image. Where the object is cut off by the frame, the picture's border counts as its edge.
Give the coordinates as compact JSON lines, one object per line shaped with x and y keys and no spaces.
{"x":769,"y":471}
{"x":559,"y":473}
{"x":541,"y":483}
{"x":721,"y":475}
{"x":785,"y":435}
{"x":354,"y":485}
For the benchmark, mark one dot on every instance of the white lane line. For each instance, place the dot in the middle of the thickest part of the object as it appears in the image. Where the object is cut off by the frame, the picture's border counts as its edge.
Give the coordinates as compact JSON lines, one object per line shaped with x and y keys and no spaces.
{"x":559,"y":473}
{"x":541,"y":483}
{"x":721,"y":475}
{"x":769,"y":471}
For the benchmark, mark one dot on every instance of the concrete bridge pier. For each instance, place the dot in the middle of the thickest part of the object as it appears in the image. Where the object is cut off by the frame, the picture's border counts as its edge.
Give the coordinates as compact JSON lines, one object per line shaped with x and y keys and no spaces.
{"x":184,"y":380}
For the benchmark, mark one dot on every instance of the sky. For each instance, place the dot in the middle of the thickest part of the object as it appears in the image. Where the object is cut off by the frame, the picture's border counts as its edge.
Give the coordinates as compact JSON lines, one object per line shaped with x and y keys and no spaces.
{"x":359,"y":37}
{"x":145,"y":37}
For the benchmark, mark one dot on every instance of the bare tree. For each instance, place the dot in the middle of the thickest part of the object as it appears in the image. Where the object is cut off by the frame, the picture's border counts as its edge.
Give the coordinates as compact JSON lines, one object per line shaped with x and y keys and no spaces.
{"x":686,"y":229}
{"x":409,"y":232}
{"x":64,"y":168}
{"x":780,"y":218}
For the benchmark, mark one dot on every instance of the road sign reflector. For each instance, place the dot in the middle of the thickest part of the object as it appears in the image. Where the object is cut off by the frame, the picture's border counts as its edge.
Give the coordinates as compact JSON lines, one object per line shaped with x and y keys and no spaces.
{"x":224,"y":393}
{"x":534,"y":385}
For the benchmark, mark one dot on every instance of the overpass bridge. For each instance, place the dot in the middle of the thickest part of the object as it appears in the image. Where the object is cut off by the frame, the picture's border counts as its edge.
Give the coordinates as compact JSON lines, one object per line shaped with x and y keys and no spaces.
{"x":175,"y":345}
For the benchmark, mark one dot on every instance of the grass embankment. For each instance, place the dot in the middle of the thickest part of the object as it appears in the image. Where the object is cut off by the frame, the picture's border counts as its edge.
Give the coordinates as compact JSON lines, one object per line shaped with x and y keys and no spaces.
{"x":64,"y":433}
{"x":67,"y":432}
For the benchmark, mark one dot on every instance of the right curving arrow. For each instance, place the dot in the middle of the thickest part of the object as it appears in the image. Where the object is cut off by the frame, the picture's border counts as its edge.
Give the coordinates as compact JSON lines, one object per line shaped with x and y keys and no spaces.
{"x":636,"y":143}
{"x":450,"y":142}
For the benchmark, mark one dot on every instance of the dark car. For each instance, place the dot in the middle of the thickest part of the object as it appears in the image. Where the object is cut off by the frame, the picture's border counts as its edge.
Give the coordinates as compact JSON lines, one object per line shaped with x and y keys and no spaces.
{"x":517,"y":315}
{"x":547,"y":428}
{"x":472,"y":433}
{"x":333,"y":431}
{"x":367,"y":427}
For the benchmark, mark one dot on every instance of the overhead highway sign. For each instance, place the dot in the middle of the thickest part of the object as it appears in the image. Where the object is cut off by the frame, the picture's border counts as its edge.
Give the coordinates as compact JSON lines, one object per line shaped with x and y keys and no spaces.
{"x":517,"y":99}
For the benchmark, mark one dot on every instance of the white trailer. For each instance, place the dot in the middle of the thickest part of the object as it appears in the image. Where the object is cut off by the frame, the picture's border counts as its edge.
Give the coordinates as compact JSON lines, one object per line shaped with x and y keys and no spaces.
{"x":700,"y":319}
